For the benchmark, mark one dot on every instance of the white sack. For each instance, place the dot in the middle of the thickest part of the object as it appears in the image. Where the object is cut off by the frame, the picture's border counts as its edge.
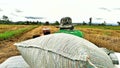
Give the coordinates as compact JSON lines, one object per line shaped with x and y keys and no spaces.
{"x":63,"y":51}
{"x":14,"y":62}
{"x":118,"y":55}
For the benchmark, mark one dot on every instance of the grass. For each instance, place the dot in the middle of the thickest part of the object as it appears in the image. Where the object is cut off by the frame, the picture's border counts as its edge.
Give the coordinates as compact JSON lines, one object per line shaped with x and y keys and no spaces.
{"x":100,"y":27}
{"x":12,"y":33}
{"x":4,"y":28}
{"x":102,"y":36}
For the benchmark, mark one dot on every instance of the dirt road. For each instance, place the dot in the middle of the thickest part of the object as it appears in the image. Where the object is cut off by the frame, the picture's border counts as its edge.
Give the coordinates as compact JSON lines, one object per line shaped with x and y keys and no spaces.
{"x":7,"y":48}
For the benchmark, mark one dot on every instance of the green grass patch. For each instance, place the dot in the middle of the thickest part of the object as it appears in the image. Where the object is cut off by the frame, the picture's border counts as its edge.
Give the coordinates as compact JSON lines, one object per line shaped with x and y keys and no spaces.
{"x":9,"y":34}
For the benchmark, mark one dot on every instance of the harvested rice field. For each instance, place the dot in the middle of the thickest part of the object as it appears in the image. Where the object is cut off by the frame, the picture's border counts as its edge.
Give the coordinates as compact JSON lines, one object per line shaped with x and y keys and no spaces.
{"x":103,"y":37}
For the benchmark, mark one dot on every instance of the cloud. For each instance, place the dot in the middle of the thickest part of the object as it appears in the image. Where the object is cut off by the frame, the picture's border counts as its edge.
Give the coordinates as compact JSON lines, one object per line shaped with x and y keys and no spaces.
{"x":99,"y":18}
{"x":18,"y":11}
{"x":31,"y":17}
{"x":106,"y":9}
{"x":109,"y":9}
{"x":1,"y":10}
{"x":13,"y":14}
{"x":116,"y":8}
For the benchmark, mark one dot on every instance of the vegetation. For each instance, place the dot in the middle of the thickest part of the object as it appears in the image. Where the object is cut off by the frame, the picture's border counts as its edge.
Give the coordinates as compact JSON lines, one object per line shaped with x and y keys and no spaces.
{"x":12,"y":33}
{"x":4,"y":28}
{"x":56,"y":23}
{"x":100,"y":27}
{"x":47,"y":23}
{"x":90,"y":21}
{"x":102,"y":36}
{"x":5,"y":18}
{"x":118,"y":23}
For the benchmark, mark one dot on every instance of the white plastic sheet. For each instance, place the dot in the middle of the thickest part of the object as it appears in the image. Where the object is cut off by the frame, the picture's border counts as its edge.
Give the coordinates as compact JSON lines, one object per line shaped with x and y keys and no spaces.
{"x":63,"y":51}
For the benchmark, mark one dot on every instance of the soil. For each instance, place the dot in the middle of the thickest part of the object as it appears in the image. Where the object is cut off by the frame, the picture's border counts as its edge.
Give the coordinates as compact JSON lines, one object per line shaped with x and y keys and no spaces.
{"x":7,"y":48}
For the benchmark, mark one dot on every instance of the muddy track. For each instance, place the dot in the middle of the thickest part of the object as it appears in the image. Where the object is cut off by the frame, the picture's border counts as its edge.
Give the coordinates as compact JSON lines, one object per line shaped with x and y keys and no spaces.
{"x":7,"y":48}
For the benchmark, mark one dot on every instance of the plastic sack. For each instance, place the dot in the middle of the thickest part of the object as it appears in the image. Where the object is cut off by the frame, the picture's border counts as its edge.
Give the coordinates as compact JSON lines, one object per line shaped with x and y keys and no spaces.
{"x":63,"y":51}
{"x":14,"y":62}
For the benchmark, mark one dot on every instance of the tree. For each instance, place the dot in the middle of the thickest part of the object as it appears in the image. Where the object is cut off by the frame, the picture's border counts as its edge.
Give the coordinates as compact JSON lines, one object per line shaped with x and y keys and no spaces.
{"x":47,"y":23}
{"x":56,"y":23}
{"x":104,"y":23}
{"x":84,"y":23}
{"x":118,"y":23}
{"x":5,"y":18}
{"x":90,"y":21}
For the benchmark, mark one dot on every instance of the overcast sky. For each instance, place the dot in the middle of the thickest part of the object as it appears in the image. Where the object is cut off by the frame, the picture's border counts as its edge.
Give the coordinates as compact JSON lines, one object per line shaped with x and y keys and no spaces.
{"x":78,"y":10}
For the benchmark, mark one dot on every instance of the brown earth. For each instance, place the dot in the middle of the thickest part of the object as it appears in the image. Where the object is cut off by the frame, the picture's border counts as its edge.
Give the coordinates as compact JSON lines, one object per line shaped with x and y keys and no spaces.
{"x":7,"y":48}
{"x":109,"y":39}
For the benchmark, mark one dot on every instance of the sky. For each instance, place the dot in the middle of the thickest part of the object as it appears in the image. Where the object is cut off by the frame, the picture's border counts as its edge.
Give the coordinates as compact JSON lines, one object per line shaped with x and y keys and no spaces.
{"x":54,"y":10}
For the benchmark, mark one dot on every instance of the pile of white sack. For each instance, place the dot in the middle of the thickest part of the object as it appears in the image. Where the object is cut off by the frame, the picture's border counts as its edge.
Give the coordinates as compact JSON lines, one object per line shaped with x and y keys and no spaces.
{"x":19,"y":62}
{"x":59,"y":51}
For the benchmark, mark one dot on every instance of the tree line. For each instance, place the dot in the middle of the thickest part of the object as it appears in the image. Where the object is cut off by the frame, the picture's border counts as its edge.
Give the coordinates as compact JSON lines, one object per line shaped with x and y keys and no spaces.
{"x":100,"y":24}
{"x":5,"y":20}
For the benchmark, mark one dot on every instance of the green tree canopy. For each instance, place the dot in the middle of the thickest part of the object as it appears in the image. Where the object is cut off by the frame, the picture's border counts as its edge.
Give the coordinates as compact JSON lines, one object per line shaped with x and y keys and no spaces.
{"x":5,"y":18}
{"x":118,"y":23}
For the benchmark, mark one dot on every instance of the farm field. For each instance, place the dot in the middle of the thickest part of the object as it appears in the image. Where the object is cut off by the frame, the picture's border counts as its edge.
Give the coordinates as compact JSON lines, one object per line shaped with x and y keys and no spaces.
{"x":4,"y":28}
{"x":102,"y":36}
{"x":7,"y":49}
{"x":8,"y":31}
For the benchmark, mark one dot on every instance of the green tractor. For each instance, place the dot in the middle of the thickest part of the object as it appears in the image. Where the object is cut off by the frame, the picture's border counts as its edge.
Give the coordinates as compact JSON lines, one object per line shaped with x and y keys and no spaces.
{"x":66,"y":26}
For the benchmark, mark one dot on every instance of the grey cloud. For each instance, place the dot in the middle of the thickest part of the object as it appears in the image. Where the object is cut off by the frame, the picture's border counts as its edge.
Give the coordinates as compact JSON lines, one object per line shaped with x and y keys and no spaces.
{"x":99,"y":18}
{"x":109,"y":10}
{"x":31,"y":17}
{"x":18,"y":11}
{"x":116,"y":8}
{"x":106,"y":9}
{"x":1,"y":9}
{"x":13,"y":14}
